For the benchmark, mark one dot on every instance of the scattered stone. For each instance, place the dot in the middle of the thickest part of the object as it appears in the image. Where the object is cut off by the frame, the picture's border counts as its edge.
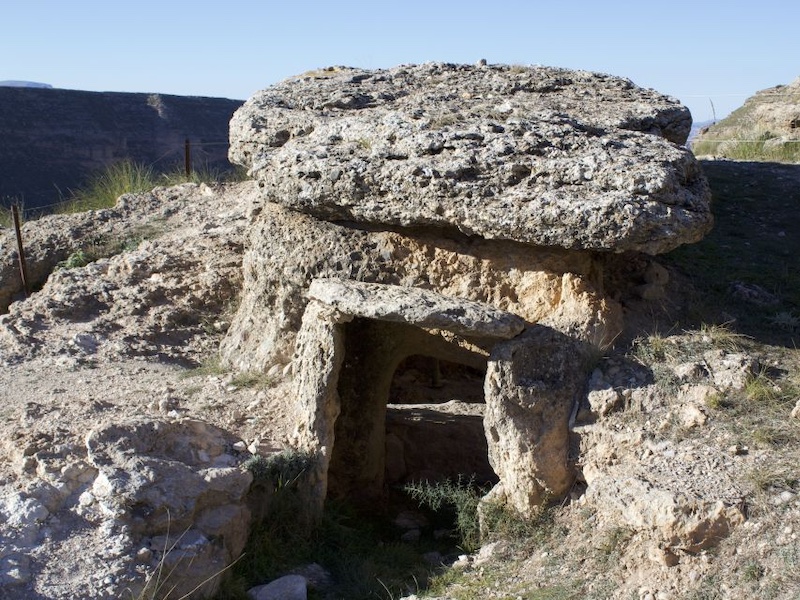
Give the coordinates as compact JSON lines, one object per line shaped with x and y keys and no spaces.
{"x":317,"y":577}
{"x":159,"y":476}
{"x":753,"y":294}
{"x":641,"y":506}
{"x":289,"y":587}
{"x":795,"y":414}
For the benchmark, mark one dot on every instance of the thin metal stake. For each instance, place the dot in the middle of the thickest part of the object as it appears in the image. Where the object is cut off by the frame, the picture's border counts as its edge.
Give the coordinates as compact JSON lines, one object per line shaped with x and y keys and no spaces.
{"x":187,"y":158}
{"x":23,"y":268}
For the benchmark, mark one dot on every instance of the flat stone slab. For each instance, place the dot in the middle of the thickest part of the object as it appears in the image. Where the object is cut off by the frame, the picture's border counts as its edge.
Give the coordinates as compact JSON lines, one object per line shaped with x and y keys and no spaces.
{"x":416,"y":306}
{"x":544,"y":156}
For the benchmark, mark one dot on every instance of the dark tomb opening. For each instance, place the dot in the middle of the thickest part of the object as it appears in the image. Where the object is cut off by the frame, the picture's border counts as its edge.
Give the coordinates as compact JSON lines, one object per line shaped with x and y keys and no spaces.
{"x":437,"y":431}
{"x":434,"y":423}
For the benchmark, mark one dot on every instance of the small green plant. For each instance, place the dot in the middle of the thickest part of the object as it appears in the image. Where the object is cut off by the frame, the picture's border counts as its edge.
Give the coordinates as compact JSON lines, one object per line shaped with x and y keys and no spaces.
{"x":752,"y":572}
{"x":281,"y":469}
{"x":460,"y":497}
{"x":653,"y":348}
{"x":716,"y":401}
{"x":764,"y":146}
{"x":6,"y":218}
{"x":786,"y":320}
{"x":499,"y":521}
{"x":721,"y":337}
{"x":212,"y":366}
{"x":760,"y":388}
{"x":79,"y":258}
{"x":613,"y":543}
{"x":252,"y":379}
{"x":364,"y":563}
{"x":101,"y":247}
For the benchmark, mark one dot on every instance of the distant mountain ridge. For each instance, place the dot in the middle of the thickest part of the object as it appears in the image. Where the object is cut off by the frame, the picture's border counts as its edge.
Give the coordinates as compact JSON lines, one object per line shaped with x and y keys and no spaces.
{"x":24,"y":84}
{"x":52,"y":140}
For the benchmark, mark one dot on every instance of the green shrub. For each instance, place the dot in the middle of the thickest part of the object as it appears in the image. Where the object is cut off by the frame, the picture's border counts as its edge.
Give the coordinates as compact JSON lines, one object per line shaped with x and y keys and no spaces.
{"x":459,"y":499}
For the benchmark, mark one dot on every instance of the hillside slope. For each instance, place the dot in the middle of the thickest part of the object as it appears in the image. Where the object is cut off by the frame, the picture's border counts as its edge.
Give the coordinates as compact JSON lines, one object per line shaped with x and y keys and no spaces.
{"x":766,"y":127}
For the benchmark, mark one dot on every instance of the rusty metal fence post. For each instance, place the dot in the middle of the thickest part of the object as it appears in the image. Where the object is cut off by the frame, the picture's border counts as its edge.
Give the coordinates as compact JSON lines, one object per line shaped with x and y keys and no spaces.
{"x":23,"y":268}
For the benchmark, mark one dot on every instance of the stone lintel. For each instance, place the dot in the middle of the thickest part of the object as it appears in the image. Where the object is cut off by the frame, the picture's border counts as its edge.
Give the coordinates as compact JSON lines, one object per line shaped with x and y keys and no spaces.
{"x":416,"y":306}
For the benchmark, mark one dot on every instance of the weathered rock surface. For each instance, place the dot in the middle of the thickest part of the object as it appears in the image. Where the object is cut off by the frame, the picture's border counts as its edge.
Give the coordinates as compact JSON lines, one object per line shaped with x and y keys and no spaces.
{"x":545,"y":156}
{"x":148,"y":296}
{"x":287,"y":250}
{"x":152,"y":505}
{"x":532,"y":384}
{"x":416,"y":307}
{"x":289,"y":587}
{"x":54,"y":139}
{"x":174,"y":494}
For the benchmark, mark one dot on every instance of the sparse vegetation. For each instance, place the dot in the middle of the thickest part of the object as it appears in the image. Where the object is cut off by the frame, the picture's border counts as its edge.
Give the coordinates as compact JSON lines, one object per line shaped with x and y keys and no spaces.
{"x":764,"y":146}
{"x":362,"y":555}
{"x":281,"y":469}
{"x":127,"y":177}
{"x":458,"y":500}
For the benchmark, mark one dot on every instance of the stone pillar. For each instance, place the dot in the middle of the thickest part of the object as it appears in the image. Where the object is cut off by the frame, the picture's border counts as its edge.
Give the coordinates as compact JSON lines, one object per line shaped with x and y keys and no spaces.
{"x":531,"y":384}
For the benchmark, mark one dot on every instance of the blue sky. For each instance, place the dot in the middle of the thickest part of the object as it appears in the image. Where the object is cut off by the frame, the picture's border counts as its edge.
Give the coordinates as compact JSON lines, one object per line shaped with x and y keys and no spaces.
{"x":700,"y":52}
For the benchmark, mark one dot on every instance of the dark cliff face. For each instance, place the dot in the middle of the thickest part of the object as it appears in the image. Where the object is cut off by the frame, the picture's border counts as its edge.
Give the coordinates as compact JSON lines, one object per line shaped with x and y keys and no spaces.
{"x":52,"y":140}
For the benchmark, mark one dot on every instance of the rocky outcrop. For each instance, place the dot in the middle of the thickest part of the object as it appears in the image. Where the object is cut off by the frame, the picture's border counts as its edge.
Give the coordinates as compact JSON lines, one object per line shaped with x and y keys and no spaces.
{"x":532,"y":384}
{"x":174,"y":495}
{"x":162,"y":502}
{"x":543,"y":156}
{"x":54,"y":140}
{"x":147,"y":289}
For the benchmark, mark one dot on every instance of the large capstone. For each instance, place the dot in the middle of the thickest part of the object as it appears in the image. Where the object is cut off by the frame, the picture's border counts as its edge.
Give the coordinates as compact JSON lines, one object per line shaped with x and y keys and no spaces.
{"x":543,"y":156}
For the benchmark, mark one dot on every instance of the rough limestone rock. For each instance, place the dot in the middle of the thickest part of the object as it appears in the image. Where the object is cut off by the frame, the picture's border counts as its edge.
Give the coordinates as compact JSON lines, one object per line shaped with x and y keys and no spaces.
{"x":344,"y":366}
{"x":162,"y":267}
{"x":532,"y":383}
{"x":680,"y":524}
{"x":288,"y":587}
{"x":416,"y":307}
{"x":286,"y":250}
{"x":173,"y":496}
{"x":544,"y":156}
